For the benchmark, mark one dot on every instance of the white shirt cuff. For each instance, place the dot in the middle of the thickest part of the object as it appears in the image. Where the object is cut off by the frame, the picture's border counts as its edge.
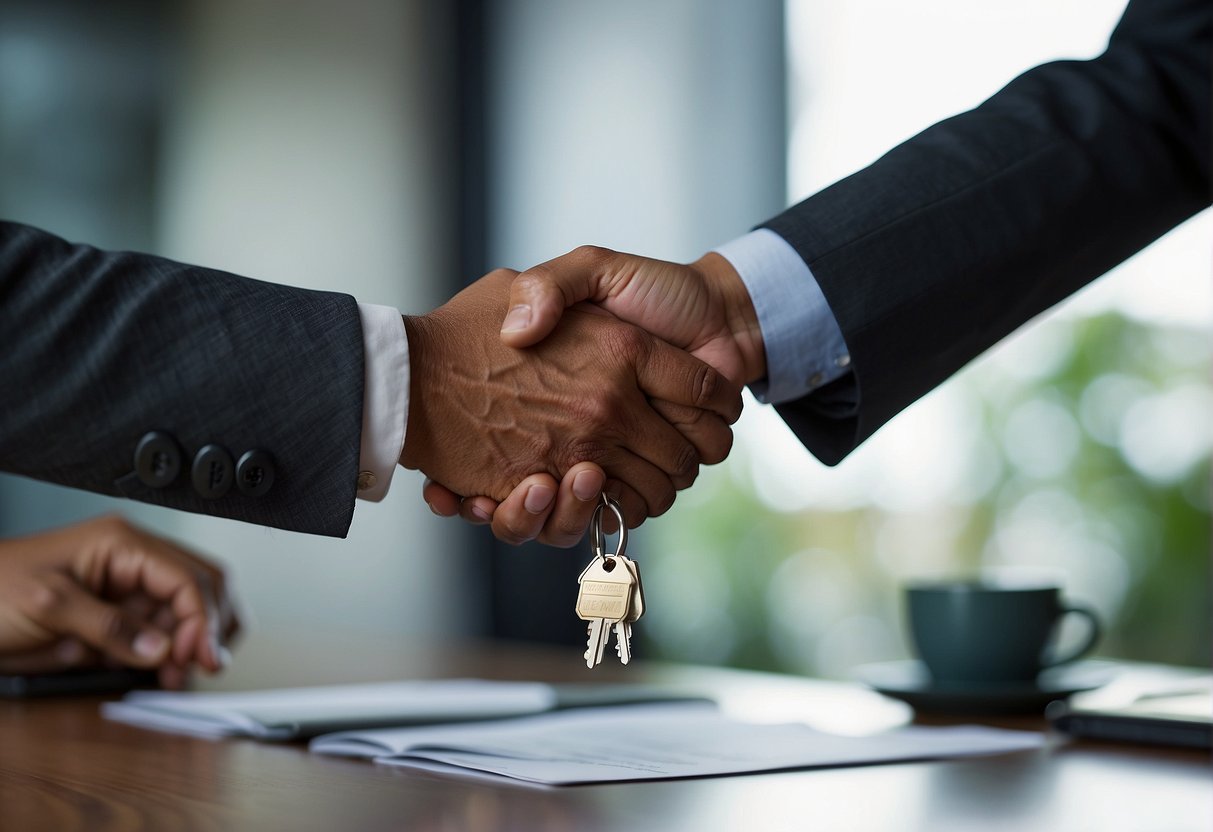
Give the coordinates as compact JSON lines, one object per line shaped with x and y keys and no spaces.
{"x":804,"y":345}
{"x":385,"y":402}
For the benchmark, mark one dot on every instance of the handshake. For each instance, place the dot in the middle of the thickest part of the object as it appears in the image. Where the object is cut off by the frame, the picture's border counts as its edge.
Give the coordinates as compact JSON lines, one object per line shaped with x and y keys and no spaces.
{"x":533,"y":392}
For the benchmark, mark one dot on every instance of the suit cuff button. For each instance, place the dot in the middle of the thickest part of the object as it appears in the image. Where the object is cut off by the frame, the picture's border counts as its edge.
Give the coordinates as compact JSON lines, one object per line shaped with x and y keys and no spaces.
{"x":157,"y":459}
{"x":255,"y":473}
{"x":212,"y":472}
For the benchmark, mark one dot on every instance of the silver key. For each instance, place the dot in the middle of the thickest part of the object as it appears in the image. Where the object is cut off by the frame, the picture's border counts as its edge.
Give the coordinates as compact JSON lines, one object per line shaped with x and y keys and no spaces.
{"x":623,"y":641}
{"x":596,"y":642}
{"x":637,"y":609}
{"x":623,"y":629}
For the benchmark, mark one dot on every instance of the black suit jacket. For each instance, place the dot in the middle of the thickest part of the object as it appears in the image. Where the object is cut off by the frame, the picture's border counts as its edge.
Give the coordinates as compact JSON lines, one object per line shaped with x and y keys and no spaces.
{"x":99,"y":349}
{"x":956,"y":237}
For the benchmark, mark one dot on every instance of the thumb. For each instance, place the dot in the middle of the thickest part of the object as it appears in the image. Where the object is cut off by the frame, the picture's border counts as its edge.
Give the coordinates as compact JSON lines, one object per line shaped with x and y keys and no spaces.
{"x":74,"y":611}
{"x":539,"y":295}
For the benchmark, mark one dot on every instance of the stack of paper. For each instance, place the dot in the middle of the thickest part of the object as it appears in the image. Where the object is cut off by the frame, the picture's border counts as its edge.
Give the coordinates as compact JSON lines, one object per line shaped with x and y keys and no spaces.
{"x":651,"y":742}
{"x":301,"y":713}
{"x":538,"y":733}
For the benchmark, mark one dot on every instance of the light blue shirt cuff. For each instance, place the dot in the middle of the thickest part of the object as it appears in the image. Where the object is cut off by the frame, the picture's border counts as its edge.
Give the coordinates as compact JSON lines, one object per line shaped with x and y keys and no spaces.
{"x":804,"y":345}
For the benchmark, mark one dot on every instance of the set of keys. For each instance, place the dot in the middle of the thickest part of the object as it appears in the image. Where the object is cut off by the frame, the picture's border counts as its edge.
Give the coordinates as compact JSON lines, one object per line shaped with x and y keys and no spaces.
{"x":609,"y":594}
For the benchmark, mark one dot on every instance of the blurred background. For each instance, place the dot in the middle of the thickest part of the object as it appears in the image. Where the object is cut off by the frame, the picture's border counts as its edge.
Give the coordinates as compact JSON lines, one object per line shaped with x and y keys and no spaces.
{"x":397,"y":149}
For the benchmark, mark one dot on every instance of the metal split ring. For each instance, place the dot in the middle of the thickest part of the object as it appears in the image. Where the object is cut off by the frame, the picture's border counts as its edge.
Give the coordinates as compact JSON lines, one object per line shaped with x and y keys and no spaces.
{"x":598,"y":539}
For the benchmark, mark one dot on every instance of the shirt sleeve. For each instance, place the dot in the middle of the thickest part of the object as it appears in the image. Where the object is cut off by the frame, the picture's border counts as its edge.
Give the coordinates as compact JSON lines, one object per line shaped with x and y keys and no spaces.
{"x":385,"y":407}
{"x":804,"y":344}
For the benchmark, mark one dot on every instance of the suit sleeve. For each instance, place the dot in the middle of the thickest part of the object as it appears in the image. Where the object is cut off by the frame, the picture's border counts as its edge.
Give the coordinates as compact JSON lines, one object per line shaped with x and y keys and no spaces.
{"x":104,"y":352}
{"x":963,"y":233}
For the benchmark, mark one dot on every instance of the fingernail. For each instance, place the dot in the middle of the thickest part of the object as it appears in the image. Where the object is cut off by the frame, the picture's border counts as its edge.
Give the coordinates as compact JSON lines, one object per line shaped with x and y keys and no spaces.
{"x":149,"y":644}
{"x":436,"y":512}
{"x":586,"y":485}
{"x":480,"y":514}
{"x":221,"y":654}
{"x":518,"y":318}
{"x":70,"y":652}
{"x":538,"y":498}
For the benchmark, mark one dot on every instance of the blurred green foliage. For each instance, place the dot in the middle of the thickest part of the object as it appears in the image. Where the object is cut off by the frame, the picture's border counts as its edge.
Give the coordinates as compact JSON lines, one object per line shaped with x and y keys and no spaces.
{"x":1100,"y":469}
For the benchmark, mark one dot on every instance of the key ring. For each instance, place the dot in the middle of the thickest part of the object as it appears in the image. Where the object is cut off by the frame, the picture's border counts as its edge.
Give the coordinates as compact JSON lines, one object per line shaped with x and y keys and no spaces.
{"x":599,"y":539}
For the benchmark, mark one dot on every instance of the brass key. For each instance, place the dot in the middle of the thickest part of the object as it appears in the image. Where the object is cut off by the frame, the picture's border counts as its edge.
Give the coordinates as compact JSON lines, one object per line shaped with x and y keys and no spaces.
{"x":610,"y":597}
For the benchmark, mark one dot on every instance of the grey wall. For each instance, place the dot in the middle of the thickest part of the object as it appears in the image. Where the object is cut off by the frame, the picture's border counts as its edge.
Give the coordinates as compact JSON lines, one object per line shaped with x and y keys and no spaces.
{"x":651,"y":127}
{"x":303,"y":143}
{"x":657,"y":128}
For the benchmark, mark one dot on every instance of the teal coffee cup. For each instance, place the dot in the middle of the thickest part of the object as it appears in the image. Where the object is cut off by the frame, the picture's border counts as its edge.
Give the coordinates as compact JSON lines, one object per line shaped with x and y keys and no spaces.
{"x":977,"y":632}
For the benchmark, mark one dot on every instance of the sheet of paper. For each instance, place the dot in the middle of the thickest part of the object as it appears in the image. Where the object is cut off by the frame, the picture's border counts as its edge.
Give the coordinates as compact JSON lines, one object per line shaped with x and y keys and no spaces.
{"x":290,"y":712}
{"x":646,"y":742}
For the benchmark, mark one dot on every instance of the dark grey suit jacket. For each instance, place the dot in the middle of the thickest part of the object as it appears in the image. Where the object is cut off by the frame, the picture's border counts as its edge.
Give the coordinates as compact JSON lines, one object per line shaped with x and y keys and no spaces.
{"x":961,"y":234}
{"x":97,"y":349}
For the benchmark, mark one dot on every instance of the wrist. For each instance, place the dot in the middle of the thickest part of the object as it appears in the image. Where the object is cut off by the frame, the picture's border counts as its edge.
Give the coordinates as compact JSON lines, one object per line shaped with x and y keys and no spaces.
{"x":741,"y":318}
{"x":422,"y":335}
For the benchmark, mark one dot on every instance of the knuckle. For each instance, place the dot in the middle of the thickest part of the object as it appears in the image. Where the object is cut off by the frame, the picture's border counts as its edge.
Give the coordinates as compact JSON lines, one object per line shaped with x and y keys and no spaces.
{"x":686,"y":464}
{"x":663,"y":503}
{"x":111,"y":626}
{"x":627,"y":341}
{"x":689,"y":416}
{"x":717,"y":444}
{"x":635,"y":341}
{"x":534,"y":278}
{"x":566,"y":531}
{"x":48,"y":598}
{"x":512,"y":530}
{"x":592,"y":254}
{"x":682,"y":483}
{"x":594,"y":413}
{"x":114,"y":525}
{"x":500,"y":273}
{"x":560,"y":538}
{"x":585,"y":450}
{"x":706,"y":383}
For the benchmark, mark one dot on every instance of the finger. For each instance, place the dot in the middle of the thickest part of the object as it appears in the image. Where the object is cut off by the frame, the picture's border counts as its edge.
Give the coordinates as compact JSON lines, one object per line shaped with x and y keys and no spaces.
{"x":140,"y":607}
{"x":64,"y":654}
{"x":219,"y":613}
{"x":711,"y":435}
{"x":521,"y":515}
{"x":575,"y":502}
{"x":189,"y":639}
{"x":478,"y":510}
{"x":173,"y":676}
{"x":192,"y":586}
{"x":668,"y":373}
{"x":630,"y":503}
{"x":648,"y":437}
{"x":654,"y":487}
{"x":64,"y":606}
{"x":539,"y":295}
{"x":441,"y":500}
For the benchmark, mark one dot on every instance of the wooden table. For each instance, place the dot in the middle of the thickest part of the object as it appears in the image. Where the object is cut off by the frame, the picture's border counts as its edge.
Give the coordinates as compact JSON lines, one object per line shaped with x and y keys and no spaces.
{"x":64,"y":768}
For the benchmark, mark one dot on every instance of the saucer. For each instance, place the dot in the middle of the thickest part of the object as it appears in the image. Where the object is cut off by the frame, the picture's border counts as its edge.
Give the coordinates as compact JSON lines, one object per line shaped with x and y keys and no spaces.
{"x":910,"y":682}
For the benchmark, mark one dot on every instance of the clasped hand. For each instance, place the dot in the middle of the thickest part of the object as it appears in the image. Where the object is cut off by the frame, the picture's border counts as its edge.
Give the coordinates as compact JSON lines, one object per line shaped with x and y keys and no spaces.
{"x":639,"y":386}
{"x":106,"y":592}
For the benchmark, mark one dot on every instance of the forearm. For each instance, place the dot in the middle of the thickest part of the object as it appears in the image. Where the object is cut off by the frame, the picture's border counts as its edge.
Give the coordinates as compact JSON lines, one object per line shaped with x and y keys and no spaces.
{"x":955,"y":238}
{"x":102,"y":348}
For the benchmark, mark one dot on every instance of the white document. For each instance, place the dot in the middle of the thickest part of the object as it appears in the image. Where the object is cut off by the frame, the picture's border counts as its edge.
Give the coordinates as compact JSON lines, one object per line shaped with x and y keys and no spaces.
{"x":305,"y":712}
{"x":649,"y":742}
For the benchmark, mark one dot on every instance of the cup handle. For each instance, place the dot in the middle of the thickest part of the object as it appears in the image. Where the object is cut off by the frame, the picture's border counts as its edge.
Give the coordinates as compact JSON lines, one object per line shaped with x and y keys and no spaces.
{"x":1092,"y":636}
